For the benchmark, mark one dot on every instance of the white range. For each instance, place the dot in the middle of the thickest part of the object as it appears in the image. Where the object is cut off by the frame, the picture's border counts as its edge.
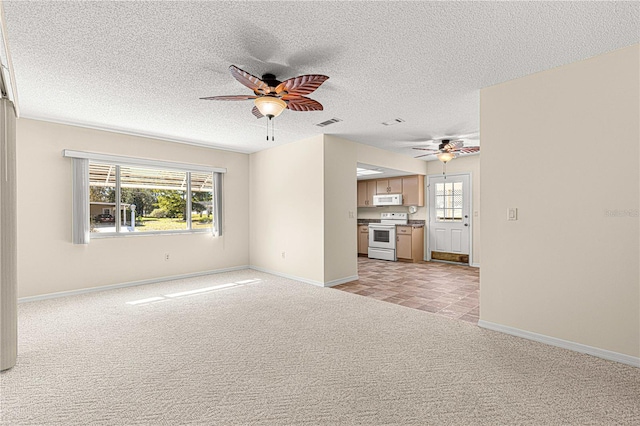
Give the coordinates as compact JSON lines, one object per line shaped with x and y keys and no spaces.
{"x":382,"y":236}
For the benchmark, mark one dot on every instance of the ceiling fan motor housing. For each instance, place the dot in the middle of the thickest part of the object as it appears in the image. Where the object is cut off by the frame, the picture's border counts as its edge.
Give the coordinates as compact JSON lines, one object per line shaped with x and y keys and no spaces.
{"x":270,"y":79}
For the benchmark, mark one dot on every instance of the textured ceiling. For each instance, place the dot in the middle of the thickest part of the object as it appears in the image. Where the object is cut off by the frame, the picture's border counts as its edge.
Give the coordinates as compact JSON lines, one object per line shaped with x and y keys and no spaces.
{"x":140,"y":67}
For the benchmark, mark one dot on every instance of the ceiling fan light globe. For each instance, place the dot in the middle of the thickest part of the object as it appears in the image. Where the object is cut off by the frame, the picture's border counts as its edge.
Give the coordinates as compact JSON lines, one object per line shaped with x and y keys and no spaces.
{"x":270,"y":106}
{"x":445,"y":157}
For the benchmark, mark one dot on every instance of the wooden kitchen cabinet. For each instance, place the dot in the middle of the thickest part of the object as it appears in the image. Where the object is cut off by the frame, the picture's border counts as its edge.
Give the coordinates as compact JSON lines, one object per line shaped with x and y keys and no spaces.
{"x":410,"y":243}
{"x":363,"y":239}
{"x":389,"y":186}
{"x":413,"y":190}
{"x":366,"y":191}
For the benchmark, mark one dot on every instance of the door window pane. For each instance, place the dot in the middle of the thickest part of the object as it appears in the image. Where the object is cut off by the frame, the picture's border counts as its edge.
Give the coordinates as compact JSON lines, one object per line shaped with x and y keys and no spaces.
{"x":449,"y":201}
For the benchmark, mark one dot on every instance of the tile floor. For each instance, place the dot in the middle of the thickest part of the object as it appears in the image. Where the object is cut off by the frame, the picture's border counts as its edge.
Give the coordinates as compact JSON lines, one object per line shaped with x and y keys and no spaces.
{"x":444,"y":289}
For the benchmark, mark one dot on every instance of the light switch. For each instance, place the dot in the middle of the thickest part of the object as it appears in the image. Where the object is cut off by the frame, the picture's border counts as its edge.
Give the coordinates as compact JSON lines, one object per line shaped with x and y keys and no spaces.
{"x":512,"y":213}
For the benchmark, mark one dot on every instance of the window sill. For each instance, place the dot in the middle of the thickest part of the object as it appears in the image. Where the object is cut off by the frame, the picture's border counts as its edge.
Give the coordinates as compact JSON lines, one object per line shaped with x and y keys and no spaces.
{"x":103,"y":235}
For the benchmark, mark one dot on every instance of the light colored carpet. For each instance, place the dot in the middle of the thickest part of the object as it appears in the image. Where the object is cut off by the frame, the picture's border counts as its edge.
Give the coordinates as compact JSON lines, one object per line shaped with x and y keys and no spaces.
{"x":275,"y":351}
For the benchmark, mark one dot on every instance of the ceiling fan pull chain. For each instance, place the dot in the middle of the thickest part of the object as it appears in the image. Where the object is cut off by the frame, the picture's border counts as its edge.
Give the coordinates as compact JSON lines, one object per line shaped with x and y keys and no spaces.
{"x":273,"y":131}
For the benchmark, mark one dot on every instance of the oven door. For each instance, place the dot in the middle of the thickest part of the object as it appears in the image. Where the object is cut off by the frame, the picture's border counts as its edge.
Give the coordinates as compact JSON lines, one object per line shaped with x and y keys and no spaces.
{"x":382,"y":236}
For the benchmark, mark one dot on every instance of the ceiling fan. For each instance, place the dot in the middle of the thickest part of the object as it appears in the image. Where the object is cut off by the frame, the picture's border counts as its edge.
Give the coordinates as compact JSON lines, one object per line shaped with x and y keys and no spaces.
{"x":271,"y":96}
{"x":448,"y":150}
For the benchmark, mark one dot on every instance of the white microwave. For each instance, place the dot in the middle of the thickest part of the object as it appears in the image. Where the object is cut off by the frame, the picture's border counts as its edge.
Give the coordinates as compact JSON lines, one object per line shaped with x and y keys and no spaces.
{"x":387,"y":200}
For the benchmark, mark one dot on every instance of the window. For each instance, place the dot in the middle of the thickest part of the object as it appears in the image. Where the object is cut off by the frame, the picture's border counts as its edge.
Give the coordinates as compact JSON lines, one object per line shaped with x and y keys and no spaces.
{"x":124,"y":196}
{"x":448,"y":200}
{"x":201,"y":200}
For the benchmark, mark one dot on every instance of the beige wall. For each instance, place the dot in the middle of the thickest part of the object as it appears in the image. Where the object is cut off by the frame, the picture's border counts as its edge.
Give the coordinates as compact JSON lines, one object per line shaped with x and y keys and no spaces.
{"x":302,"y":195}
{"x":471,"y":165}
{"x":287,"y":209}
{"x":379,"y":157}
{"x":340,"y":200}
{"x":562,"y":146}
{"x":47,"y":260}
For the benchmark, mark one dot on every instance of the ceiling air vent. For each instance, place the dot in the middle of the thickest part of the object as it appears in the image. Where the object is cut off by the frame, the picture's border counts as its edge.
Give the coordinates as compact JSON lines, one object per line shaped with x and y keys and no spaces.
{"x":392,"y":122}
{"x":328,"y":122}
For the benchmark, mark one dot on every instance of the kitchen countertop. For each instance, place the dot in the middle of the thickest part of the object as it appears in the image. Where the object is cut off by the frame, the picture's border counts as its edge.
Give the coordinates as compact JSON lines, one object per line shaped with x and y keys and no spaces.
{"x":413,"y":223}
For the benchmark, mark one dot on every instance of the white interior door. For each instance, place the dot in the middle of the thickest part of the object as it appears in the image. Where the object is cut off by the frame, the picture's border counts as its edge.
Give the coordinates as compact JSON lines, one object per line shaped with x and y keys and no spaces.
{"x":449,"y":214}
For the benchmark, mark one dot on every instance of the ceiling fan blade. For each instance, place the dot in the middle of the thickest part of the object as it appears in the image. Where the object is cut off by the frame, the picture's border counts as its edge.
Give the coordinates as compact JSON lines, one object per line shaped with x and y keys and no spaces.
{"x":255,"y":111}
{"x":452,"y":145}
{"x":467,"y":150}
{"x":301,"y":85}
{"x":427,"y":149}
{"x":301,"y":103}
{"x":249,"y":80}
{"x":230,"y":98}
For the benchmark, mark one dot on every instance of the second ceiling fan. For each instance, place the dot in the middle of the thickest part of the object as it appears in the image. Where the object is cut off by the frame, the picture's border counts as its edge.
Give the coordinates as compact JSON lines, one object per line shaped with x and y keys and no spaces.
{"x":448,"y":150}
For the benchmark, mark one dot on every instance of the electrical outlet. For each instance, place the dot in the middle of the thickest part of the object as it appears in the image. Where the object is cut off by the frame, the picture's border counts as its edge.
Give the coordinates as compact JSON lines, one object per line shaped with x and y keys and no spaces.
{"x":512,"y":213}
{"x":351,"y":215}
{"x":166,"y":256}
{"x":284,"y":254}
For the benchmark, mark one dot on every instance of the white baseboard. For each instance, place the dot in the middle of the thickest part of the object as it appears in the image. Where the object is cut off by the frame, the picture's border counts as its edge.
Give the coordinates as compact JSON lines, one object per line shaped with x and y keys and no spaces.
{"x":341,"y":281}
{"x":291,"y":277}
{"x":306,"y":280}
{"x":475,"y":265}
{"x":180,"y":277}
{"x":129,"y":284}
{"x":565,"y":344}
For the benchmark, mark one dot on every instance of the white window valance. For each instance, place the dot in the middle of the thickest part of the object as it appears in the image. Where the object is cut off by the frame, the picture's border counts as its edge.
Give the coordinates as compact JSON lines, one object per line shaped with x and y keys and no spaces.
{"x":119,"y":159}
